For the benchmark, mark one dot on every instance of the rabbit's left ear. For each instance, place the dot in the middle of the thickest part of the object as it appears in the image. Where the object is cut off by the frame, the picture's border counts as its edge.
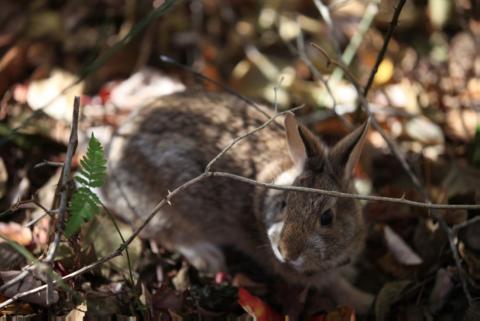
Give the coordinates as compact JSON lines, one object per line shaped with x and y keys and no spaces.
{"x":302,"y":144}
{"x":345,"y":154}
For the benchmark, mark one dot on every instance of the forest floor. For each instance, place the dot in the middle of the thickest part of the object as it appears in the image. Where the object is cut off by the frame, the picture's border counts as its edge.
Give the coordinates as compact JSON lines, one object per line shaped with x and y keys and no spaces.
{"x":422,"y":264}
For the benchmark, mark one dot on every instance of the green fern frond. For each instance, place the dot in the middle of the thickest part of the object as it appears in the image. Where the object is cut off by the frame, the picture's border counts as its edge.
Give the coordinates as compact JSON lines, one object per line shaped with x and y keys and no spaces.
{"x":83,"y":206}
{"x":93,"y":166}
{"x":85,"y":203}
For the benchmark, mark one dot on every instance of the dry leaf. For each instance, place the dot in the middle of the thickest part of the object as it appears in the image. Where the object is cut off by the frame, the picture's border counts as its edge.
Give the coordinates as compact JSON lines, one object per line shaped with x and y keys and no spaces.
{"x":339,"y":314}
{"x":384,"y":73}
{"x":144,"y":86}
{"x":17,"y":308}
{"x":441,"y":289}
{"x":423,"y":130}
{"x":76,"y":314}
{"x":402,"y":252}
{"x":49,"y":94}
{"x":256,"y":307}
{"x":16,"y":232}
{"x":462,"y":123}
{"x":28,"y":283}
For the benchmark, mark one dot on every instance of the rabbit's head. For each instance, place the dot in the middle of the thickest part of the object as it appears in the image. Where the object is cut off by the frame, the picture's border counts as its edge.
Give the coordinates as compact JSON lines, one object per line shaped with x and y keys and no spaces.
{"x":318,"y":232}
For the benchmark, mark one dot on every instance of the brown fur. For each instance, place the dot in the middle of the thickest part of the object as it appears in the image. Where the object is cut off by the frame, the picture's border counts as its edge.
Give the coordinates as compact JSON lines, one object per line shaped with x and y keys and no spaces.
{"x":171,"y":141}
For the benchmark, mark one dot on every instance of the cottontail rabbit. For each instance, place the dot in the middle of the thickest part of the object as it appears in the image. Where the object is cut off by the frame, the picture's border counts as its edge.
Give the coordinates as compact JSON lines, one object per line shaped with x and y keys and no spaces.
{"x":304,"y":237}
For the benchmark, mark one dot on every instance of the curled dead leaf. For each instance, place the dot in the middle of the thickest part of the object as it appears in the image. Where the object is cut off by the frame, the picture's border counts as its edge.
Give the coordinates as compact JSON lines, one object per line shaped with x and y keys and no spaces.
{"x":402,"y":252}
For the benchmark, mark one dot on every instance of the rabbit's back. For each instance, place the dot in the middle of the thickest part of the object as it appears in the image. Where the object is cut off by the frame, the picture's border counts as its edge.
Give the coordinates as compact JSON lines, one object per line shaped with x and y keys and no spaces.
{"x":171,"y":141}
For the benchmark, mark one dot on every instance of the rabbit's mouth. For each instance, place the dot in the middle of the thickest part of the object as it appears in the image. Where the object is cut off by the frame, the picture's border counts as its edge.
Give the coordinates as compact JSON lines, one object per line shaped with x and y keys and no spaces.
{"x":315,"y":269}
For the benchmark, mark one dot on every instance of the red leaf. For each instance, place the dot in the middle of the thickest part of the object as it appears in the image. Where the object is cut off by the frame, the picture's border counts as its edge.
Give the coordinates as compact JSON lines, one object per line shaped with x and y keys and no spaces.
{"x":256,"y":307}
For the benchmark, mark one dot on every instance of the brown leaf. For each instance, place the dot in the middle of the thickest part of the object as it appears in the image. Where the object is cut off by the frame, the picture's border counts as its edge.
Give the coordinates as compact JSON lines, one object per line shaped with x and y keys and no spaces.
{"x":27,"y":283}
{"x":342,"y":313}
{"x":443,"y":286}
{"x":165,"y":298}
{"x":461,"y":123}
{"x":16,"y":232}
{"x":425,"y":131}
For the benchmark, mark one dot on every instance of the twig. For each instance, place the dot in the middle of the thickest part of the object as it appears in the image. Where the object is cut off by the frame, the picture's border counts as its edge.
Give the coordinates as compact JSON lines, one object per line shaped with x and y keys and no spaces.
{"x":239,"y":138}
{"x":275,"y":93}
{"x":35,"y":220}
{"x":402,"y":201}
{"x":386,"y":40}
{"x":64,"y":194}
{"x":117,"y":228}
{"x":62,"y":208}
{"x":16,"y":279}
{"x":339,"y":64}
{"x":48,"y":163}
{"x":461,"y":226}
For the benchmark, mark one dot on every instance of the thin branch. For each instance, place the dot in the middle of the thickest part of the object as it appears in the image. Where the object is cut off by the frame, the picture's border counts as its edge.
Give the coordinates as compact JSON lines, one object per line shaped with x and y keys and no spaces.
{"x":48,"y":163}
{"x":275,"y":94}
{"x":62,"y":209}
{"x":463,"y":225}
{"x":339,"y":64}
{"x":64,"y":195}
{"x":117,"y":228}
{"x":370,"y":198}
{"x":241,"y":137}
{"x":22,"y":275}
{"x":35,"y":220}
{"x":386,"y":40}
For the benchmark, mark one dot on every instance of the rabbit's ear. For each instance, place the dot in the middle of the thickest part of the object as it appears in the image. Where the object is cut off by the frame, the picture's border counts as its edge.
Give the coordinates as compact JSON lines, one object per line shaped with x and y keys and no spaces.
{"x":345,"y":154}
{"x":302,"y":144}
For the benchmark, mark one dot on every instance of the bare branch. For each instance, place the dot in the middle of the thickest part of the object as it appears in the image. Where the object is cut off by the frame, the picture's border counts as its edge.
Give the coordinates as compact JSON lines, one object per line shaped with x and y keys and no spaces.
{"x":460,"y":226}
{"x":386,"y":40}
{"x":48,"y":163}
{"x":72,"y":146}
{"x":239,"y":138}
{"x":402,"y":200}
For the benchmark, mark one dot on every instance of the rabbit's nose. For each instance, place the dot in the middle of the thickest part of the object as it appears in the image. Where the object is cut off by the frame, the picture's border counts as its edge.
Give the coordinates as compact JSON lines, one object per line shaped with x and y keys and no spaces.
{"x":289,"y":254}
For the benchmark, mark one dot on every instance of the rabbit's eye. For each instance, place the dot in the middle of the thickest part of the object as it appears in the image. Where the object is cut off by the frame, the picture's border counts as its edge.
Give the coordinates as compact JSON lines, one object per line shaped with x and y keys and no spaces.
{"x":283,"y":204}
{"x":326,"y":218}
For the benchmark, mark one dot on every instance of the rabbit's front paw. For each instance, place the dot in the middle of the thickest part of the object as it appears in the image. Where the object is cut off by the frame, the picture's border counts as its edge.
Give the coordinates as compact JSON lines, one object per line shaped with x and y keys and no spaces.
{"x":345,"y":293}
{"x":204,"y":256}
